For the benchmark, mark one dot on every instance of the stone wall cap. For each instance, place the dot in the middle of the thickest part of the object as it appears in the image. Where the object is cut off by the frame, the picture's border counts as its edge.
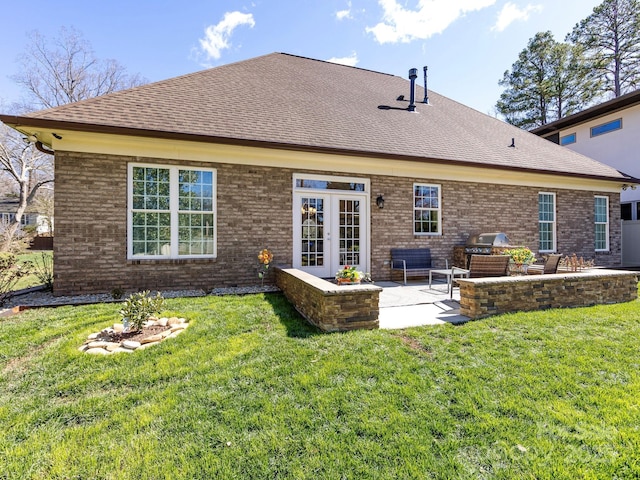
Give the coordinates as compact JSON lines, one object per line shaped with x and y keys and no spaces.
{"x":328,"y":288}
{"x":589,"y":273}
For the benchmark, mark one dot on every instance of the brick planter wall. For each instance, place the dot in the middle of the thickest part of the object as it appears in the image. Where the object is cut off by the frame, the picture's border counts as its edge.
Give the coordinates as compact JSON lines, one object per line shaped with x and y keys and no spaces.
{"x":330,"y":307}
{"x":482,"y":297}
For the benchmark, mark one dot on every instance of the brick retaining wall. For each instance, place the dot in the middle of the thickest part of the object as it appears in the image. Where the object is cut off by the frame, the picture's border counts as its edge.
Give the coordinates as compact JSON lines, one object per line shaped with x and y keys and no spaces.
{"x":330,"y":307}
{"x":482,"y":297}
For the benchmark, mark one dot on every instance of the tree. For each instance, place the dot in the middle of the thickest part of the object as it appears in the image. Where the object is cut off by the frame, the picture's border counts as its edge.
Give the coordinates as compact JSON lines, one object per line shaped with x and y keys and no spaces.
{"x":611,"y":39}
{"x":549,"y":80}
{"x":66,"y":70}
{"x":28,"y":169}
{"x":53,"y":73}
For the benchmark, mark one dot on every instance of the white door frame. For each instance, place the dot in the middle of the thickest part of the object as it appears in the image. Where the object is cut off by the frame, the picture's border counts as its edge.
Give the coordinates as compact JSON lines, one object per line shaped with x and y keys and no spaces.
{"x":330,"y":234}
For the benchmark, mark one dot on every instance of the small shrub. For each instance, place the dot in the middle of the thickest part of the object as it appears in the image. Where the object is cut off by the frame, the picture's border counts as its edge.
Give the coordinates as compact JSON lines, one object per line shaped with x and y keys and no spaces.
{"x":117,"y":293}
{"x":139,"y":307}
{"x":10,"y":272}
{"x":43,"y":269}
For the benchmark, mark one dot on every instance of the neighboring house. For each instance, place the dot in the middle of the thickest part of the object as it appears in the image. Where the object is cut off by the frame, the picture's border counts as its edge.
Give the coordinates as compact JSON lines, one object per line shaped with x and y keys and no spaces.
{"x":179,"y":184}
{"x":610,"y":133}
{"x":31,"y":218}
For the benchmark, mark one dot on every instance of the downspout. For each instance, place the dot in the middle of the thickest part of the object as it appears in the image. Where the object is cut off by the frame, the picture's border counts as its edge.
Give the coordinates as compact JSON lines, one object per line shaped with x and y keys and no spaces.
{"x":43,"y":149}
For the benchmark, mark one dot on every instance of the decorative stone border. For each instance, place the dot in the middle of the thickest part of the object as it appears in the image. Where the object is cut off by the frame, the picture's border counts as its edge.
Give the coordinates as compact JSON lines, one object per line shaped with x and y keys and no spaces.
{"x":100,"y":343}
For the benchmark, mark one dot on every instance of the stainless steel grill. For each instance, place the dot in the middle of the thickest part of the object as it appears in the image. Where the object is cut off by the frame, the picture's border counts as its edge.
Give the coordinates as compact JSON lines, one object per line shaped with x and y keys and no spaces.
{"x":486,"y":244}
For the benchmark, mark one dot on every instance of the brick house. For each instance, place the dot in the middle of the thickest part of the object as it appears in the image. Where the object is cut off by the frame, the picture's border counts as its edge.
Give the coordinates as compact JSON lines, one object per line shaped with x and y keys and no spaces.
{"x":180,"y":183}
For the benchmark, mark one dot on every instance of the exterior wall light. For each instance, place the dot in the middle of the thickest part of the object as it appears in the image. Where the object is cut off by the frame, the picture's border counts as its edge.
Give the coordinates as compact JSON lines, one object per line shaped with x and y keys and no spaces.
{"x":380,"y":201}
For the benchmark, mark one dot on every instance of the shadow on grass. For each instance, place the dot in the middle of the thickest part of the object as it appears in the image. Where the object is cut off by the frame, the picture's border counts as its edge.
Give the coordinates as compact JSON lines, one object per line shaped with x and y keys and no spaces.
{"x":295,"y":324}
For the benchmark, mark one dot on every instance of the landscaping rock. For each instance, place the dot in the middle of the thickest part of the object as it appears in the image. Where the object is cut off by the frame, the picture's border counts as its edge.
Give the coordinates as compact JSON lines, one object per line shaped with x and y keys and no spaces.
{"x":113,"y":340}
{"x":96,"y":351}
{"x":152,"y":339}
{"x":130,"y":344}
{"x":112,"y":346}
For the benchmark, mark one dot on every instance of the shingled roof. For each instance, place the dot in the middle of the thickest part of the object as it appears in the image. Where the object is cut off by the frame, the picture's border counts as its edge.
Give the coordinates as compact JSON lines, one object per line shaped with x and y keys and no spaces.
{"x":285,"y":101}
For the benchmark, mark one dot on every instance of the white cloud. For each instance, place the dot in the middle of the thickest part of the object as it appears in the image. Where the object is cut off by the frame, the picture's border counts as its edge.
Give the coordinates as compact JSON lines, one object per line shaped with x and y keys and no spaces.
{"x":342,"y":14}
{"x":510,"y":13}
{"x":351,"y":60}
{"x":217,"y":36}
{"x":431,"y":17}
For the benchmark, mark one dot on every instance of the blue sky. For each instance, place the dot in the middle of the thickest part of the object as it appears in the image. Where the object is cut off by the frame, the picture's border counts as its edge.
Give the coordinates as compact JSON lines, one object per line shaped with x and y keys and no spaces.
{"x":467,"y":44}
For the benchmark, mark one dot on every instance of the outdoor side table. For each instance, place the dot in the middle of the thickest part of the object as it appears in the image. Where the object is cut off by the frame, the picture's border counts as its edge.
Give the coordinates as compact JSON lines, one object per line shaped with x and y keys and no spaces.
{"x":450,"y":274}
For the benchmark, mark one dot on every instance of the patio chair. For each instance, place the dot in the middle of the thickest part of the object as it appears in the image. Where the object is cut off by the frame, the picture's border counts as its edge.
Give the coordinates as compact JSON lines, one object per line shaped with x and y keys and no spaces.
{"x":484,"y":266}
{"x":550,"y":266}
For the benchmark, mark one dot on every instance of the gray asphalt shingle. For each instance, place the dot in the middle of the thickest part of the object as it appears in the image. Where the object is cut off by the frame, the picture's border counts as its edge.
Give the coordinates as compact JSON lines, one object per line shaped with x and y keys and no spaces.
{"x":304,"y":103}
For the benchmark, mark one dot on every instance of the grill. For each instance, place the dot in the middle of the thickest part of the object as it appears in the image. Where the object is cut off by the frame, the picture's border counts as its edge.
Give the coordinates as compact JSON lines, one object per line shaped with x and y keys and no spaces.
{"x":486,"y":244}
{"x":483,"y":244}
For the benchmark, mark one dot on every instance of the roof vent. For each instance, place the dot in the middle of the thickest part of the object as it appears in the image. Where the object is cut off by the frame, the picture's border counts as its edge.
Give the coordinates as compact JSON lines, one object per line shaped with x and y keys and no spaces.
{"x":413,"y":74}
{"x":426,"y":92}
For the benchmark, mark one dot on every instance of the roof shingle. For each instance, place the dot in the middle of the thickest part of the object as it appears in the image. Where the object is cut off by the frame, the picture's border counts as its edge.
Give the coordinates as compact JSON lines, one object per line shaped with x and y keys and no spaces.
{"x":298,"y":102}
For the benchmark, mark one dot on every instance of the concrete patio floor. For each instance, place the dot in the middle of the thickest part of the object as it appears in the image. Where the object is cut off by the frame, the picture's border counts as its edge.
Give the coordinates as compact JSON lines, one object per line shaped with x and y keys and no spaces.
{"x":415,"y":304}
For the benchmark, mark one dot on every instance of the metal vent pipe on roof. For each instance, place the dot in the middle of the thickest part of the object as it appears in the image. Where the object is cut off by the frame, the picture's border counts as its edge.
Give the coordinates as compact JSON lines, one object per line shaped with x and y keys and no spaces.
{"x":426,"y":92}
{"x":413,"y":74}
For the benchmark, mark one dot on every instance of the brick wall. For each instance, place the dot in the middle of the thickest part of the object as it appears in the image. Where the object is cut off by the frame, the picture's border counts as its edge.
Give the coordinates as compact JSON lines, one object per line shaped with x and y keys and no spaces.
{"x":330,"y":307}
{"x":472,"y":208}
{"x":482,"y":297}
{"x":254,"y":211}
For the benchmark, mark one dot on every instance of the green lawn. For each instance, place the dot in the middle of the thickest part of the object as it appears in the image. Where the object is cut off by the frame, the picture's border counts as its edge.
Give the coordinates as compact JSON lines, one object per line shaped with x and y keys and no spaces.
{"x":250,"y":391}
{"x":30,"y":280}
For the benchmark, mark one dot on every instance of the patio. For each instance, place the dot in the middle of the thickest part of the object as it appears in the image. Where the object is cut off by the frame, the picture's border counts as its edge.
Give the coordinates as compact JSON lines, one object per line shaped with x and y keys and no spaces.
{"x":415,"y":304}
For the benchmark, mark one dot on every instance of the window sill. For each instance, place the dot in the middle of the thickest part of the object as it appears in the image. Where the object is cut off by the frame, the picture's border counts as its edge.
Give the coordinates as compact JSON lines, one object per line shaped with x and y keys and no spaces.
{"x":170,"y":261}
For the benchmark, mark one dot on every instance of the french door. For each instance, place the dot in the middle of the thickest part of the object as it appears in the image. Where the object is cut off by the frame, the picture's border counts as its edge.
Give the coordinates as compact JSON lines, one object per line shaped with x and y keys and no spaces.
{"x":330,"y":231}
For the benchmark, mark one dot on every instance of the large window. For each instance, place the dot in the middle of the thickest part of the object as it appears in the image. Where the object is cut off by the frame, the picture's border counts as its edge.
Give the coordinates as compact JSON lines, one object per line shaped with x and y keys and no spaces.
{"x":547,"y":221}
{"x":601,"y":211}
{"x":171,"y":212}
{"x":426,"y":209}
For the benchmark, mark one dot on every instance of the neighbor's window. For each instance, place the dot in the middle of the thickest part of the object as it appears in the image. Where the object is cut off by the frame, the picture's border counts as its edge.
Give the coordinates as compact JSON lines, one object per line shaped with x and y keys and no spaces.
{"x":171,"y":212}
{"x":606,"y":127}
{"x":601,"y":211}
{"x":625,"y":211}
{"x":547,"y":221}
{"x":426,"y":209}
{"x":568,"y":139}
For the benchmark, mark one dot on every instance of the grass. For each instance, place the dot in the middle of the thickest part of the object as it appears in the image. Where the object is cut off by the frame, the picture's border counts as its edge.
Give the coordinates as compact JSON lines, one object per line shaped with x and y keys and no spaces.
{"x":30,"y":280}
{"x":251,"y":391}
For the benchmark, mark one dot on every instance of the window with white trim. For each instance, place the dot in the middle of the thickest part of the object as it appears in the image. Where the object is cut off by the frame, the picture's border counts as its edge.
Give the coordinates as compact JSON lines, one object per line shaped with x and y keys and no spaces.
{"x":426,"y":209}
{"x":171,"y":212}
{"x":601,"y":214}
{"x":547,"y":221}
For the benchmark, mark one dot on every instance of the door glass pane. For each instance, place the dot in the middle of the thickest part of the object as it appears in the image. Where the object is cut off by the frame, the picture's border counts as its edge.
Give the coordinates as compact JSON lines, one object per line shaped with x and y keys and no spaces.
{"x":312,"y":228}
{"x":349,"y":230}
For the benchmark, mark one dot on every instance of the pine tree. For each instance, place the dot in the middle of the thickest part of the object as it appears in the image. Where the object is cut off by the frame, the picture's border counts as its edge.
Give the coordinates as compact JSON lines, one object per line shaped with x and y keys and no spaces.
{"x":549,"y":80}
{"x":610,"y":37}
